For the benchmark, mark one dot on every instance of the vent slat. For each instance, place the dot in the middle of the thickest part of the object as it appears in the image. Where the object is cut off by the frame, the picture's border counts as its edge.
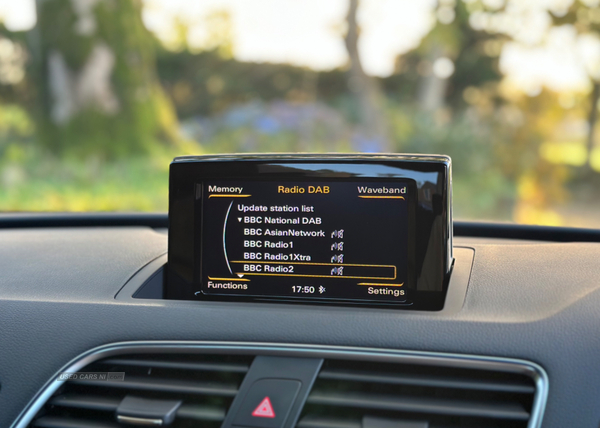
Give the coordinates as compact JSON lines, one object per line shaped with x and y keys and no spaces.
{"x":165,"y":385}
{"x":429,"y":381}
{"x":58,"y":422}
{"x":509,"y":411}
{"x":88,"y":402}
{"x":444,"y":395}
{"x":202,"y":413}
{"x":177,"y":365}
{"x":315,"y":422}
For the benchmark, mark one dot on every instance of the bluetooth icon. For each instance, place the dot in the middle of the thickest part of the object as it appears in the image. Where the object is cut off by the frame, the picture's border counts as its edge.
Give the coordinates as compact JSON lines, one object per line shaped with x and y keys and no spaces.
{"x":322,"y":289}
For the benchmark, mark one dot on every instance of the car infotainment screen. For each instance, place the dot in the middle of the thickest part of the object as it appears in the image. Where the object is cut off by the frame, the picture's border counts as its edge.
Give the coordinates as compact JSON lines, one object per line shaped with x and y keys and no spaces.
{"x":327,"y":239}
{"x":332,"y":229}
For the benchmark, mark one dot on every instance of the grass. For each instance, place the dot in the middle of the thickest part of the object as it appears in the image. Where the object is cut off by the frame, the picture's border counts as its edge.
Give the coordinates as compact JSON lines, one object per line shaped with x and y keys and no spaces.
{"x":135,"y":184}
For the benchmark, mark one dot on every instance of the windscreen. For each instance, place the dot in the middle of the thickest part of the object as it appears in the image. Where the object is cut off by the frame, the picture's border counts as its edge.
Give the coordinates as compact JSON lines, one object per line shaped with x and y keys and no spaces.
{"x":98,"y":96}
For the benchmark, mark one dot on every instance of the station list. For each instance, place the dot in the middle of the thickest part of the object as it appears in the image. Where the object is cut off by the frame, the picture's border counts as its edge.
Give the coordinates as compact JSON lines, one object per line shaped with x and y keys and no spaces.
{"x":343,"y":240}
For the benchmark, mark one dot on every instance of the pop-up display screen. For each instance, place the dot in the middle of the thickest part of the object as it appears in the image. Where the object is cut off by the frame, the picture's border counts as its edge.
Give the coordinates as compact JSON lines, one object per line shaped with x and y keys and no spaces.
{"x":335,"y":229}
{"x":340,"y":240}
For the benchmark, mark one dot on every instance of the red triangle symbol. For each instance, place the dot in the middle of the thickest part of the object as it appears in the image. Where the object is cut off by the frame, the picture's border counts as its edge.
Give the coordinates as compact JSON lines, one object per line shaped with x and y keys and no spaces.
{"x":264,"y":409}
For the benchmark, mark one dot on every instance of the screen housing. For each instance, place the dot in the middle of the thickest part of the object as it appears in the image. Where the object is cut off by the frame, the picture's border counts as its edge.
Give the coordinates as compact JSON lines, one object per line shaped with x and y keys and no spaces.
{"x":430,"y":225}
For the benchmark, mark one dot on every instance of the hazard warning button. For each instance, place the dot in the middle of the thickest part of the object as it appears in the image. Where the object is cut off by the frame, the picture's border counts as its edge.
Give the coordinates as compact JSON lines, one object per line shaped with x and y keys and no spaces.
{"x":267,"y":403}
{"x":264,"y":409}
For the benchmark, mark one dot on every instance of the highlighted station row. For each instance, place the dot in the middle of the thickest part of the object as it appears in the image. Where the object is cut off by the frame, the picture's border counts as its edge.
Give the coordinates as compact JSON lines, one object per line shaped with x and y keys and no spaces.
{"x":316,"y":270}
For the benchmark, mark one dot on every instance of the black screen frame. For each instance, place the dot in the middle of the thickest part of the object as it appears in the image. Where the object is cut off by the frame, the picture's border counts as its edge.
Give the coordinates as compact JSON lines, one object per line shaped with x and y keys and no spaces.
{"x":430,"y":217}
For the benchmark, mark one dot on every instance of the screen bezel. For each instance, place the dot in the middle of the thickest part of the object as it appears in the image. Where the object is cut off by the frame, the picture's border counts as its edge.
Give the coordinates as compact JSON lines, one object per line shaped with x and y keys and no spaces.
{"x":430,"y":233}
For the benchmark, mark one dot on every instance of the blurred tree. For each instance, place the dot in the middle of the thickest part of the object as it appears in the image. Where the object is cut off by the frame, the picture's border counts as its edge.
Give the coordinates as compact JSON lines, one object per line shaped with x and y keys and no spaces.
{"x":451,"y":59}
{"x":584,"y":15}
{"x":214,"y":33}
{"x":96,"y":73}
{"x":369,"y":97}
{"x":592,"y":120}
{"x":205,"y":83}
{"x":15,"y":88}
{"x":219,"y":33}
{"x":457,"y":82}
{"x":509,"y":20}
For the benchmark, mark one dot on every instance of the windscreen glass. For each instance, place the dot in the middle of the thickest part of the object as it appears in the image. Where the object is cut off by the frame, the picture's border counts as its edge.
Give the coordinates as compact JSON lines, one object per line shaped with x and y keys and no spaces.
{"x":98,"y":96}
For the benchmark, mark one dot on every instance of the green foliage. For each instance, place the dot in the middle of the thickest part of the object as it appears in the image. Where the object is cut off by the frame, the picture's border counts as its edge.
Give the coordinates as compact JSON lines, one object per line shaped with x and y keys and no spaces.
{"x":206,"y":83}
{"x":144,"y":117}
{"x":247,"y":139}
{"x":35,"y":180}
{"x":481,"y":188}
{"x":16,"y":134}
{"x":99,"y":160}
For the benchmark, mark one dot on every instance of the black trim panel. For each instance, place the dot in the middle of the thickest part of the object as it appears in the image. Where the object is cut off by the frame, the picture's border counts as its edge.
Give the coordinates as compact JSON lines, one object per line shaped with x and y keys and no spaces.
{"x":37,"y":220}
{"x":161,"y":221}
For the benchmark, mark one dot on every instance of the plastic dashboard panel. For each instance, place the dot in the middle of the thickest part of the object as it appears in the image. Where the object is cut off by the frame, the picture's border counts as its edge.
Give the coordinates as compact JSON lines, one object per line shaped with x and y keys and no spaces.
{"x":529,"y":369}
{"x":525,"y":300}
{"x":149,"y":283}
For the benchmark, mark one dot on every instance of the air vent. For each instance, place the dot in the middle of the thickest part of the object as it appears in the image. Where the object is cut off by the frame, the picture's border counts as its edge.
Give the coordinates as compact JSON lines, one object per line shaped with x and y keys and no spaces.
{"x":353,"y":394}
{"x":202,"y":386}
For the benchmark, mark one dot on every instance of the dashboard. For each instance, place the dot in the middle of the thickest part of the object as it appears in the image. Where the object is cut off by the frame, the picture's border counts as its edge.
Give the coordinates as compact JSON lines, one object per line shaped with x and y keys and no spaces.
{"x":71,"y":284}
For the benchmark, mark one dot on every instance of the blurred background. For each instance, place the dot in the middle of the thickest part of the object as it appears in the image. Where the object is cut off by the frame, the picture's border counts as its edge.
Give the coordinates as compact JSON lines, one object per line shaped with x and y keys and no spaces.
{"x":97,"y":96}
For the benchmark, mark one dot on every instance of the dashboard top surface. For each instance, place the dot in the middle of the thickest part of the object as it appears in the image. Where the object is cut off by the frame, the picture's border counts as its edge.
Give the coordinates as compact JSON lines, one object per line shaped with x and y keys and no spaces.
{"x":527,"y":300}
{"x":511,"y":280}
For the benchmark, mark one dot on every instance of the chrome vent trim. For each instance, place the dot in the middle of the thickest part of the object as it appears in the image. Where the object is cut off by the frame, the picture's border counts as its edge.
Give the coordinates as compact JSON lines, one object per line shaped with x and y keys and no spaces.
{"x":536,"y":372}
